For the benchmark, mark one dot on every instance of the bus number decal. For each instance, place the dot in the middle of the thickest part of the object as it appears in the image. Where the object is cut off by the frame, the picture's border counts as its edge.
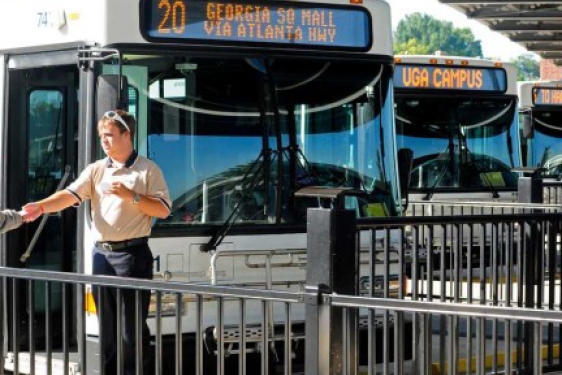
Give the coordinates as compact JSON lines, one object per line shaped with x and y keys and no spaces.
{"x":161,"y":26}
{"x":177,"y":9}
{"x":42,"y":19}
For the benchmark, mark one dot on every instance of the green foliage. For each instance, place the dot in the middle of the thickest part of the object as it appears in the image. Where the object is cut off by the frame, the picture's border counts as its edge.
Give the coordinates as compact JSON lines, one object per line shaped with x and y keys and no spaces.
{"x":528,"y":68}
{"x":411,"y":47}
{"x":422,"y":34}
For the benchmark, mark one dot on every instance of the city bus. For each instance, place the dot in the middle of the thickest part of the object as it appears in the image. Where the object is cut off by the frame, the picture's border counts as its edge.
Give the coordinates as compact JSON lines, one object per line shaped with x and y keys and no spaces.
{"x":459,"y":118}
{"x":540,"y":109}
{"x":241,"y":104}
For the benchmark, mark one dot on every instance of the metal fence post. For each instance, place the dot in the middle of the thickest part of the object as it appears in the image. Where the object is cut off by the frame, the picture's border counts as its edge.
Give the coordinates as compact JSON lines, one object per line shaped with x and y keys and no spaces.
{"x":316,"y":339}
{"x":529,"y":190}
{"x":332,"y":267}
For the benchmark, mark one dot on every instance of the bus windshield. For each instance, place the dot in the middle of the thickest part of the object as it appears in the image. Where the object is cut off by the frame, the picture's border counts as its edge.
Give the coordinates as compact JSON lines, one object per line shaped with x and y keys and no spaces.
{"x":458,"y":143}
{"x":545,"y":148}
{"x":236,"y":138}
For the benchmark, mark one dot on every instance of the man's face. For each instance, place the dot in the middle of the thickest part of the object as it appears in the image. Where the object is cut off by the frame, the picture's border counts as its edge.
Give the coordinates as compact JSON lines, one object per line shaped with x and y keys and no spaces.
{"x":112,"y":141}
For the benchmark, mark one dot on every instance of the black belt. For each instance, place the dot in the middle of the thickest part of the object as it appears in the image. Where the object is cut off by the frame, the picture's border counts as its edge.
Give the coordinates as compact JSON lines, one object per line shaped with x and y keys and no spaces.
{"x":120,"y":245}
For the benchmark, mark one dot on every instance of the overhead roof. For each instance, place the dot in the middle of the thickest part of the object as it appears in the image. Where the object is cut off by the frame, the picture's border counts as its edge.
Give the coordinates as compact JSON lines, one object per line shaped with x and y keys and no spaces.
{"x":536,"y":25}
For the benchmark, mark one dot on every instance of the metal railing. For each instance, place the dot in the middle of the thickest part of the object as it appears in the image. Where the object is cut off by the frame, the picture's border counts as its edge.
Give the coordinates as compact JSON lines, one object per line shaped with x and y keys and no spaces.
{"x":461,"y":291}
{"x":552,"y":191}
{"x":458,"y":258}
{"x":201,"y":342}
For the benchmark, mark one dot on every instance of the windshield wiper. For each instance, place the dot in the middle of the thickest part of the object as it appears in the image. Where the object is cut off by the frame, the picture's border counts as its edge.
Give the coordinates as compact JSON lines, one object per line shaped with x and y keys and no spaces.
{"x":485,"y":178}
{"x":450,"y":150}
{"x":249,"y":183}
{"x":434,"y":186}
{"x":260,"y":167}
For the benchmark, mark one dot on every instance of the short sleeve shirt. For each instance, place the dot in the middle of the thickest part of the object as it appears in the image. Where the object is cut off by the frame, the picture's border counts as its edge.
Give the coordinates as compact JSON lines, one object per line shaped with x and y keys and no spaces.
{"x":116,"y":219}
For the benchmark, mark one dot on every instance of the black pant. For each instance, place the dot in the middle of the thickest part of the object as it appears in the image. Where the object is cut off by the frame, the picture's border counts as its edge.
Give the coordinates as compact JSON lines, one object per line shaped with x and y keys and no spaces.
{"x":134,"y":262}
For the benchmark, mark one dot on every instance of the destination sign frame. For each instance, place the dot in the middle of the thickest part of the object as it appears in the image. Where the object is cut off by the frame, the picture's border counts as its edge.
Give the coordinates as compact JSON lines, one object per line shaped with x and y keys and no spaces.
{"x":286,"y":24}
{"x":547,"y":96}
{"x":450,"y":77}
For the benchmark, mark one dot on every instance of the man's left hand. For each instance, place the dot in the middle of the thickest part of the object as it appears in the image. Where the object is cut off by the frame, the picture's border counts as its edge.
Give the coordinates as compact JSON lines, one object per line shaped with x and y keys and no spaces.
{"x":118,"y":188}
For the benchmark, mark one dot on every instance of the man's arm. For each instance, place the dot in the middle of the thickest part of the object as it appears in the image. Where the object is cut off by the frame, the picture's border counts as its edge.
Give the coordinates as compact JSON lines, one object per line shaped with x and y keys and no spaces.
{"x":53,"y":203}
{"x":150,"y":206}
{"x":10,"y":219}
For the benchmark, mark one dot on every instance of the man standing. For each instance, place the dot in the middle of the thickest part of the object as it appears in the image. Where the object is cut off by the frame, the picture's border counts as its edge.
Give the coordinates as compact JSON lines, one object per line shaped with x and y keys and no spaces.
{"x":126,"y":191}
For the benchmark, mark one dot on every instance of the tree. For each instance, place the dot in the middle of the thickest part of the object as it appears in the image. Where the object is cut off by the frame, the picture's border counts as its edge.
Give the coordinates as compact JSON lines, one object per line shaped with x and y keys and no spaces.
{"x":411,"y":47}
{"x":421,"y":33}
{"x":528,"y":68}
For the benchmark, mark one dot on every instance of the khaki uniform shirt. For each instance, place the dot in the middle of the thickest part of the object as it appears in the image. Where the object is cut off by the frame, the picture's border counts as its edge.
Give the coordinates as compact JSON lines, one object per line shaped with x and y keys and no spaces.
{"x":116,"y":219}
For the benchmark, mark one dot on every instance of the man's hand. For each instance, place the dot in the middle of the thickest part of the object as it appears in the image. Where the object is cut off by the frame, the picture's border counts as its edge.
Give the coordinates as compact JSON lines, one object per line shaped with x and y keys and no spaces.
{"x":118,"y":188}
{"x":30,"y":212}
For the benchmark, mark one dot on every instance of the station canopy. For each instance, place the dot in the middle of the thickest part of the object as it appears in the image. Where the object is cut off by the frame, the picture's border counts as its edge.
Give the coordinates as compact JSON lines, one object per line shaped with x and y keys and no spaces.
{"x":535,"y":25}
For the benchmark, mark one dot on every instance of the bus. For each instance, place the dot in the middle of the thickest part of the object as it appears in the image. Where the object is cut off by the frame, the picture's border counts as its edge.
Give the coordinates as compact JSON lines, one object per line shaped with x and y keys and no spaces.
{"x":241,"y":103}
{"x":459,"y":118}
{"x":540,"y":108}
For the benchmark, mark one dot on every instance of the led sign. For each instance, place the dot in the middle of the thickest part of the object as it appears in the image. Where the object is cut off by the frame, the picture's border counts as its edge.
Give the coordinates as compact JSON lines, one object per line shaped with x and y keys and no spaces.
{"x":547,"y":96}
{"x":280,"y":22}
{"x":450,"y":78}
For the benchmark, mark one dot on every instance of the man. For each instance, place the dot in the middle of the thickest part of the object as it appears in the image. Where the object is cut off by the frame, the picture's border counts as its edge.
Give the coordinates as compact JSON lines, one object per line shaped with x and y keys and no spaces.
{"x":126,"y":191}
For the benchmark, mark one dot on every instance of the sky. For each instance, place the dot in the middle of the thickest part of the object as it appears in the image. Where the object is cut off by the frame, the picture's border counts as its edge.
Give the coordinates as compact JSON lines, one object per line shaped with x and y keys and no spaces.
{"x":494,"y":45}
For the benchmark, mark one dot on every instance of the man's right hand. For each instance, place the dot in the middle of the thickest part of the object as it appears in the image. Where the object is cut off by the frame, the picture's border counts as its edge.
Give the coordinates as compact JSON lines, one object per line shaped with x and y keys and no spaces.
{"x":31,"y":211}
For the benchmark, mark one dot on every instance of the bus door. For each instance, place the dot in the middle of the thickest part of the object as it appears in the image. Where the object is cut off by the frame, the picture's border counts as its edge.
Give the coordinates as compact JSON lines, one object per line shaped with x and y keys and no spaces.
{"x":42,"y":139}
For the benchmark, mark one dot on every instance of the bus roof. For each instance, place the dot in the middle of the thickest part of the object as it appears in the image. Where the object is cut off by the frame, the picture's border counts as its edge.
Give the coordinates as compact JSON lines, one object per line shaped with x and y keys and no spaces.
{"x":443,"y":59}
{"x":45,"y":24}
{"x":525,"y":91}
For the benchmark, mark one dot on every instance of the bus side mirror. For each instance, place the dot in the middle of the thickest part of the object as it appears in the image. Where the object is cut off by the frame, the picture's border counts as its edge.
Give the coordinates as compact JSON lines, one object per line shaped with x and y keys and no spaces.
{"x":405,"y":159}
{"x":527,"y":126}
{"x":111,"y":94}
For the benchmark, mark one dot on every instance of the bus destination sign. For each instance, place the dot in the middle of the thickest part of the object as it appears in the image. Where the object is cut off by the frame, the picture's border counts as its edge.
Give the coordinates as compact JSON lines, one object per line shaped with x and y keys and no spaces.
{"x":280,"y":23}
{"x":450,"y":78}
{"x":547,"y":96}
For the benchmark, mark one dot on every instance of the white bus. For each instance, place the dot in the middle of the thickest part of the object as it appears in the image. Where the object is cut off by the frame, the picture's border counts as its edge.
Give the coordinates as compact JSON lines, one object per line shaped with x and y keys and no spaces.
{"x":459,"y":117}
{"x":540,"y":108}
{"x":241,"y":103}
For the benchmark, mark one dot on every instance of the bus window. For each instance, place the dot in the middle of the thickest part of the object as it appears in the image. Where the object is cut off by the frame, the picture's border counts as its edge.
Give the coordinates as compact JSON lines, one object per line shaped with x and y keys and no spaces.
{"x":45,"y":142}
{"x":235,"y":143}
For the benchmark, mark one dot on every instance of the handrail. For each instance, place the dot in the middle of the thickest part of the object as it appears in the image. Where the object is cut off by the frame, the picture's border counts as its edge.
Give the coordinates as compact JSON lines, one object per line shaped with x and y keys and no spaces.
{"x":248,"y":253}
{"x":150,"y":285}
{"x":483,"y":204}
{"x":37,"y":233}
